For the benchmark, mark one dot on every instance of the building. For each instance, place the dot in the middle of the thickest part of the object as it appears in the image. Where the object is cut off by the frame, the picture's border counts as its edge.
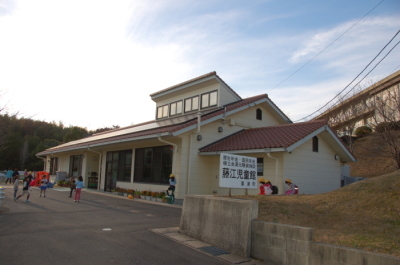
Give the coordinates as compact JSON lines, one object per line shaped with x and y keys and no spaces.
{"x":377,"y":103}
{"x":195,"y":122}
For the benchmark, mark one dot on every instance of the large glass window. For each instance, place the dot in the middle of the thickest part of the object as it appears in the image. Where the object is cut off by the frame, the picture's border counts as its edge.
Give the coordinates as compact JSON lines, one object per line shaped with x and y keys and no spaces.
{"x":119,"y":165}
{"x":162,"y":112}
{"x":191,"y":104}
{"x":209,"y":99}
{"x":176,"y":108}
{"x":75,"y":166}
{"x":153,"y":164}
{"x":53,"y":165}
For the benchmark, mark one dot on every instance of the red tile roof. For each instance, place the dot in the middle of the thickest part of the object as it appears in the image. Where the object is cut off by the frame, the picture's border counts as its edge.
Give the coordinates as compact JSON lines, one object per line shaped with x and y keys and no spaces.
{"x":103,"y":139}
{"x":265,"y":137}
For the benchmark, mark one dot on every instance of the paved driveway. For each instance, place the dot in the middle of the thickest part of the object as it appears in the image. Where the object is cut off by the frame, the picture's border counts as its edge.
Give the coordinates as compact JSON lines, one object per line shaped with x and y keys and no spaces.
{"x":101,"y":229}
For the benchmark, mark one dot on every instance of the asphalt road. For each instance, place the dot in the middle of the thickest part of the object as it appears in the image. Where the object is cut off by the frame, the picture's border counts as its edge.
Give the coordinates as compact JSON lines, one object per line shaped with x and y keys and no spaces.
{"x":101,"y":229}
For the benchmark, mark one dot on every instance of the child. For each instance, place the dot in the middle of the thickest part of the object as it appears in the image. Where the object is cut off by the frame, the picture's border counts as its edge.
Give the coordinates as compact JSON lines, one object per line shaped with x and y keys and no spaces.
{"x":293,"y":189}
{"x":43,"y":186}
{"x":172,"y":183}
{"x":79,"y":185}
{"x":16,"y":183}
{"x":25,"y":190}
{"x":72,"y":186}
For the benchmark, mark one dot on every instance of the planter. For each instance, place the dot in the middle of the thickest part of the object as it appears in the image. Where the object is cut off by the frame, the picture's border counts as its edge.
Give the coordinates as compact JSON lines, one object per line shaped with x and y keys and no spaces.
{"x":125,"y":194}
{"x":136,"y":196}
{"x":148,"y":198}
{"x":120,"y":193}
{"x":114,"y":193}
{"x":159,"y":199}
{"x":143,"y":197}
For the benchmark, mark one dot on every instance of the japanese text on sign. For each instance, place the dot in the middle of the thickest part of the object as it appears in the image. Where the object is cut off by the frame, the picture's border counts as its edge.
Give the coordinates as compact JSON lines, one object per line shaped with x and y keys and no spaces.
{"x":238,"y":171}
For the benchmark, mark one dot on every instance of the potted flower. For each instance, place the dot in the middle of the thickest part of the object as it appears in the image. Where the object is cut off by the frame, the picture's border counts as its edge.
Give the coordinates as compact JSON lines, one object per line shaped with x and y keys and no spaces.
{"x":161,"y":195}
{"x":114,"y":191}
{"x":136,"y":194}
{"x":130,"y":192}
{"x":155,"y":195}
{"x":148,"y":195}
{"x":143,"y":194}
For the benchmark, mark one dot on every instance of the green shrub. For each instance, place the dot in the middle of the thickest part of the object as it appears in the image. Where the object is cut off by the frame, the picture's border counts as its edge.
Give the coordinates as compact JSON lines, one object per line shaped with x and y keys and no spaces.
{"x":362,"y":131}
{"x":387,"y":126}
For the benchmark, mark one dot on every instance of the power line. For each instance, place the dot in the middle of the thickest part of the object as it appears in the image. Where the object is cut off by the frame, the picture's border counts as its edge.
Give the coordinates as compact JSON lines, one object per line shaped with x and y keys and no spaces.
{"x":325,"y":47}
{"x":359,"y":74}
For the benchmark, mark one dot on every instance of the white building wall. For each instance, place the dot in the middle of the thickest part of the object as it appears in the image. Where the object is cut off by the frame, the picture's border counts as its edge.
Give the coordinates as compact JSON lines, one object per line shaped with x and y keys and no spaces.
{"x":313,"y":172}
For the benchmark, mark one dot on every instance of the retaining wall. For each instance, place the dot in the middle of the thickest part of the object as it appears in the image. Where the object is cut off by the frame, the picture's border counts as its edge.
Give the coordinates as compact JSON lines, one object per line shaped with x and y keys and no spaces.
{"x":231,"y":224}
{"x":219,"y":221}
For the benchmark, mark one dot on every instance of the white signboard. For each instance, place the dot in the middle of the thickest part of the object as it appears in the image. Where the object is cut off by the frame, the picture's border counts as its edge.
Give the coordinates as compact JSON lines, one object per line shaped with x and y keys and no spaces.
{"x":237,"y":171}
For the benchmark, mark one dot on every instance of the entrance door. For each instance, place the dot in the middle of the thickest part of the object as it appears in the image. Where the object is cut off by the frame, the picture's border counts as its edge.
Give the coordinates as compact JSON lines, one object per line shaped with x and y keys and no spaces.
{"x":111,"y":176}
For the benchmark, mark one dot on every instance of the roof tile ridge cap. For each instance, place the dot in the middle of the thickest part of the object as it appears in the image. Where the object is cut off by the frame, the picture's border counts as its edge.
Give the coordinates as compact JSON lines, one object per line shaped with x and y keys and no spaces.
{"x":185,"y":82}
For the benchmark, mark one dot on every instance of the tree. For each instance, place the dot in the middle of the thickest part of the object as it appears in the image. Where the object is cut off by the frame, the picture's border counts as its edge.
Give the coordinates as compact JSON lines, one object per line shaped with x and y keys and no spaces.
{"x":386,"y":106}
{"x":75,"y":133}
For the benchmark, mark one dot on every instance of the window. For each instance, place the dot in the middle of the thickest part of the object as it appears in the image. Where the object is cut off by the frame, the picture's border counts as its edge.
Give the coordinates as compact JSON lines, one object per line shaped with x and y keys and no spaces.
{"x":259,"y":114}
{"x":260,"y":166}
{"x":315,"y":144}
{"x":119,"y":164}
{"x":209,"y":99}
{"x":153,"y":164}
{"x":53,"y":165}
{"x":75,"y":165}
{"x":162,"y":112}
{"x":175,"y":108}
{"x":191,"y":104}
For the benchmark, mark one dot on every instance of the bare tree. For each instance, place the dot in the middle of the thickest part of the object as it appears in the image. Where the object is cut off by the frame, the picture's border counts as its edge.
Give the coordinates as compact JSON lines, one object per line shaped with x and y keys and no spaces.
{"x":385,"y":120}
{"x":345,"y":114}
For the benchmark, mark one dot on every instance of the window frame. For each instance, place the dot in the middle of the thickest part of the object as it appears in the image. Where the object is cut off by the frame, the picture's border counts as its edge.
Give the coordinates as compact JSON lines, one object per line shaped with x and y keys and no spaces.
{"x":124,"y":164}
{"x":191,"y":104}
{"x":176,"y":108}
{"x":163,"y":111}
{"x":209,"y":99}
{"x":153,"y":164}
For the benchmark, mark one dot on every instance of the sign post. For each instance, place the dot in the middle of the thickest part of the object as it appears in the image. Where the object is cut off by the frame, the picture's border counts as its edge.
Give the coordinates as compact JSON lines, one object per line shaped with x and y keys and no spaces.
{"x":238,"y":172}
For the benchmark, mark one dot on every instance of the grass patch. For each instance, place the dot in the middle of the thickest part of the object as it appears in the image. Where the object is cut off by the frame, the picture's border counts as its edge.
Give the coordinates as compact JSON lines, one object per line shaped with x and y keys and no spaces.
{"x":364,"y":215}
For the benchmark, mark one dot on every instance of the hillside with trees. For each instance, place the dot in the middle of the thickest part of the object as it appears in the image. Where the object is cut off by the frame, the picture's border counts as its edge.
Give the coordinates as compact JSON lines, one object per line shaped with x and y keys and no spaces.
{"x":22,"y":138}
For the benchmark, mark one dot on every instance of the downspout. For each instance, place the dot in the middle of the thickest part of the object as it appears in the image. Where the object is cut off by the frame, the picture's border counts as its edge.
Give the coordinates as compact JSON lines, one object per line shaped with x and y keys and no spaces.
{"x":100,"y":165}
{"x":280,"y":186}
{"x":189,"y":164}
{"x":175,"y":152}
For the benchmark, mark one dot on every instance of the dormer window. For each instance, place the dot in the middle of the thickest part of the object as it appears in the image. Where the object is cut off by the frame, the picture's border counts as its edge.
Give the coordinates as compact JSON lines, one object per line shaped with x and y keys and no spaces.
{"x":192,"y":104}
{"x":209,"y":99}
{"x":175,"y":108}
{"x":162,"y":112}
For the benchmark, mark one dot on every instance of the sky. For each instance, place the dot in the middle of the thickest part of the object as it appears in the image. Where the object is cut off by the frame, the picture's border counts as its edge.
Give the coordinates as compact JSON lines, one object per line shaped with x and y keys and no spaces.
{"x":94,"y":63}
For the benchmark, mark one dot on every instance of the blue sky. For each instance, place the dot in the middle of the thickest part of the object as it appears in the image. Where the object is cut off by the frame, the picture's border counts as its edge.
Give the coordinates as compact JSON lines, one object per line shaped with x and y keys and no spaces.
{"x":94,"y":63}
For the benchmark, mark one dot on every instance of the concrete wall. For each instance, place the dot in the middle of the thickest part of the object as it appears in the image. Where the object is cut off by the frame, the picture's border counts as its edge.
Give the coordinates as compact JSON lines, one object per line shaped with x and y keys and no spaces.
{"x":222,"y":222}
{"x":231,"y":224}
{"x":280,"y":244}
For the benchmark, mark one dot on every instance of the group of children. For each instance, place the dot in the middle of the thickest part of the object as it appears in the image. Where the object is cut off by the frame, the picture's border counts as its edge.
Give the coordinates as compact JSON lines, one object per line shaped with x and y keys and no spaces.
{"x":26,"y":186}
{"x":266,"y":188}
